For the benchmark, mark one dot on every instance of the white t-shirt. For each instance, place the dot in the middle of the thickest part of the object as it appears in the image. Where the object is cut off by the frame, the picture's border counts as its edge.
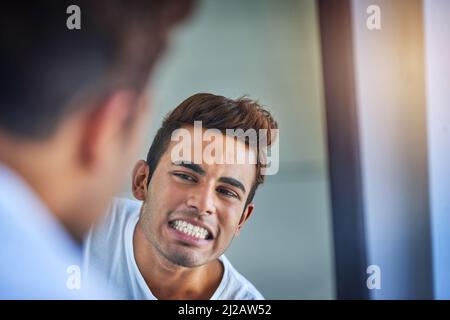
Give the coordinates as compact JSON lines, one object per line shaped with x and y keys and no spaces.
{"x":38,"y":258}
{"x":108,"y":251}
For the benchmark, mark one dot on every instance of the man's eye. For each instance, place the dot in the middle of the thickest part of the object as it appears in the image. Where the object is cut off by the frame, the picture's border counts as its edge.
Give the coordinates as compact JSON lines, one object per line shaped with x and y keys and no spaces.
{"x":227,"y":193}
{"x":185,"y":177}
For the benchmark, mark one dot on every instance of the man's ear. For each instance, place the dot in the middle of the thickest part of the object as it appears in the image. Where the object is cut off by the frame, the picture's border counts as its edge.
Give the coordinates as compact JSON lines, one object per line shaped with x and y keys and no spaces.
{"x":103,"y":125}
{"x":245,"y":215}
{"x":140,"y":178}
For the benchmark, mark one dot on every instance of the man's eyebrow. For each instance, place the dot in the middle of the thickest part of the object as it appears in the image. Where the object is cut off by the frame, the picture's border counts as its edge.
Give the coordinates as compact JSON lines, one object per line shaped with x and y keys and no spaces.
{"x":189,"y":165}
{"x":233,"y":182}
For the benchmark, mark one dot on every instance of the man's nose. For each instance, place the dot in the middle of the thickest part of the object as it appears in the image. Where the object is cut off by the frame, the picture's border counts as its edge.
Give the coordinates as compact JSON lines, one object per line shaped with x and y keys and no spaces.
{"x":202,"y":199}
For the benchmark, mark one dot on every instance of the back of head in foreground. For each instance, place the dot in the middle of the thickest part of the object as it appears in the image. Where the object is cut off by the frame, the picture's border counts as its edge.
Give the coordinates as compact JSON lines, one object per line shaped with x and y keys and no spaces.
{"x":73,"y":103}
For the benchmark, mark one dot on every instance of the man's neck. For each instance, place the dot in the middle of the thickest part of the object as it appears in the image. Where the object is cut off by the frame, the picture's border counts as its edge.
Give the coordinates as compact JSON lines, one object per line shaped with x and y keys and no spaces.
{"x":168,"y":281}
{"x":42,"y":167}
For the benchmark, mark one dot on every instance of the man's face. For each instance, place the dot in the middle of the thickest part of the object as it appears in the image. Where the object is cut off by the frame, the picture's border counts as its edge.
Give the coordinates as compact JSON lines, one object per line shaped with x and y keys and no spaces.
{"x":193,"y":211}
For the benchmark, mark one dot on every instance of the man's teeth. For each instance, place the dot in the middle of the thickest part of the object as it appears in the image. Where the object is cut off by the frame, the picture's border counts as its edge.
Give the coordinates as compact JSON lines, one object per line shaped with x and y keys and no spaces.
{"x":190,"y":229}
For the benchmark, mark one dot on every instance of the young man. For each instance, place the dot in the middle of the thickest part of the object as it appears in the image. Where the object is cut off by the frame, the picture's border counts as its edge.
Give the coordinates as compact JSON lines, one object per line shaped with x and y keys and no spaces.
{"x":72,"y":107}
{"x":194,"y":202}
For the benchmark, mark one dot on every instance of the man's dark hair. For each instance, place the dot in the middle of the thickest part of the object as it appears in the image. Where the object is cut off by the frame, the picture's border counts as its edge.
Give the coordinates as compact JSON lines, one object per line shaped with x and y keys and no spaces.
{"x":45,"y":66}
{"x":215,"y":112}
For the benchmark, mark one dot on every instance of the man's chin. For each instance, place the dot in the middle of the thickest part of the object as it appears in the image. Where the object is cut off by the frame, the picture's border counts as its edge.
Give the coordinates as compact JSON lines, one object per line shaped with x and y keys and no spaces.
{"x":186,"y":259}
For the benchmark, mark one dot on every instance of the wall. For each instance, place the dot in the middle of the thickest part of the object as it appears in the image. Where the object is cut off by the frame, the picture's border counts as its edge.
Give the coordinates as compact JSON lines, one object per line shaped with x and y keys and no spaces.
{"x":390,"y":76}
{"x":437,"y":25}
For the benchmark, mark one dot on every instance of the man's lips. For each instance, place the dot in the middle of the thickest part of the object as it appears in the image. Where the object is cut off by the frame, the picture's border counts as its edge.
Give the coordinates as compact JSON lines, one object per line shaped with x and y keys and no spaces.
{"x":192,"y":228}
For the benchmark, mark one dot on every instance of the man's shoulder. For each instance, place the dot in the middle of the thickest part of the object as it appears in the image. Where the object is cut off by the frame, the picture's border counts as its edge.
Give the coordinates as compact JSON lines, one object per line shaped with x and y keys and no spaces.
{"x":117,"y":215}
{"x":237,"y":287}
{"x":40,"y":259}
{"x":123,"y":208}
{"x":104,"y":248}
{"x":108,"y":234}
